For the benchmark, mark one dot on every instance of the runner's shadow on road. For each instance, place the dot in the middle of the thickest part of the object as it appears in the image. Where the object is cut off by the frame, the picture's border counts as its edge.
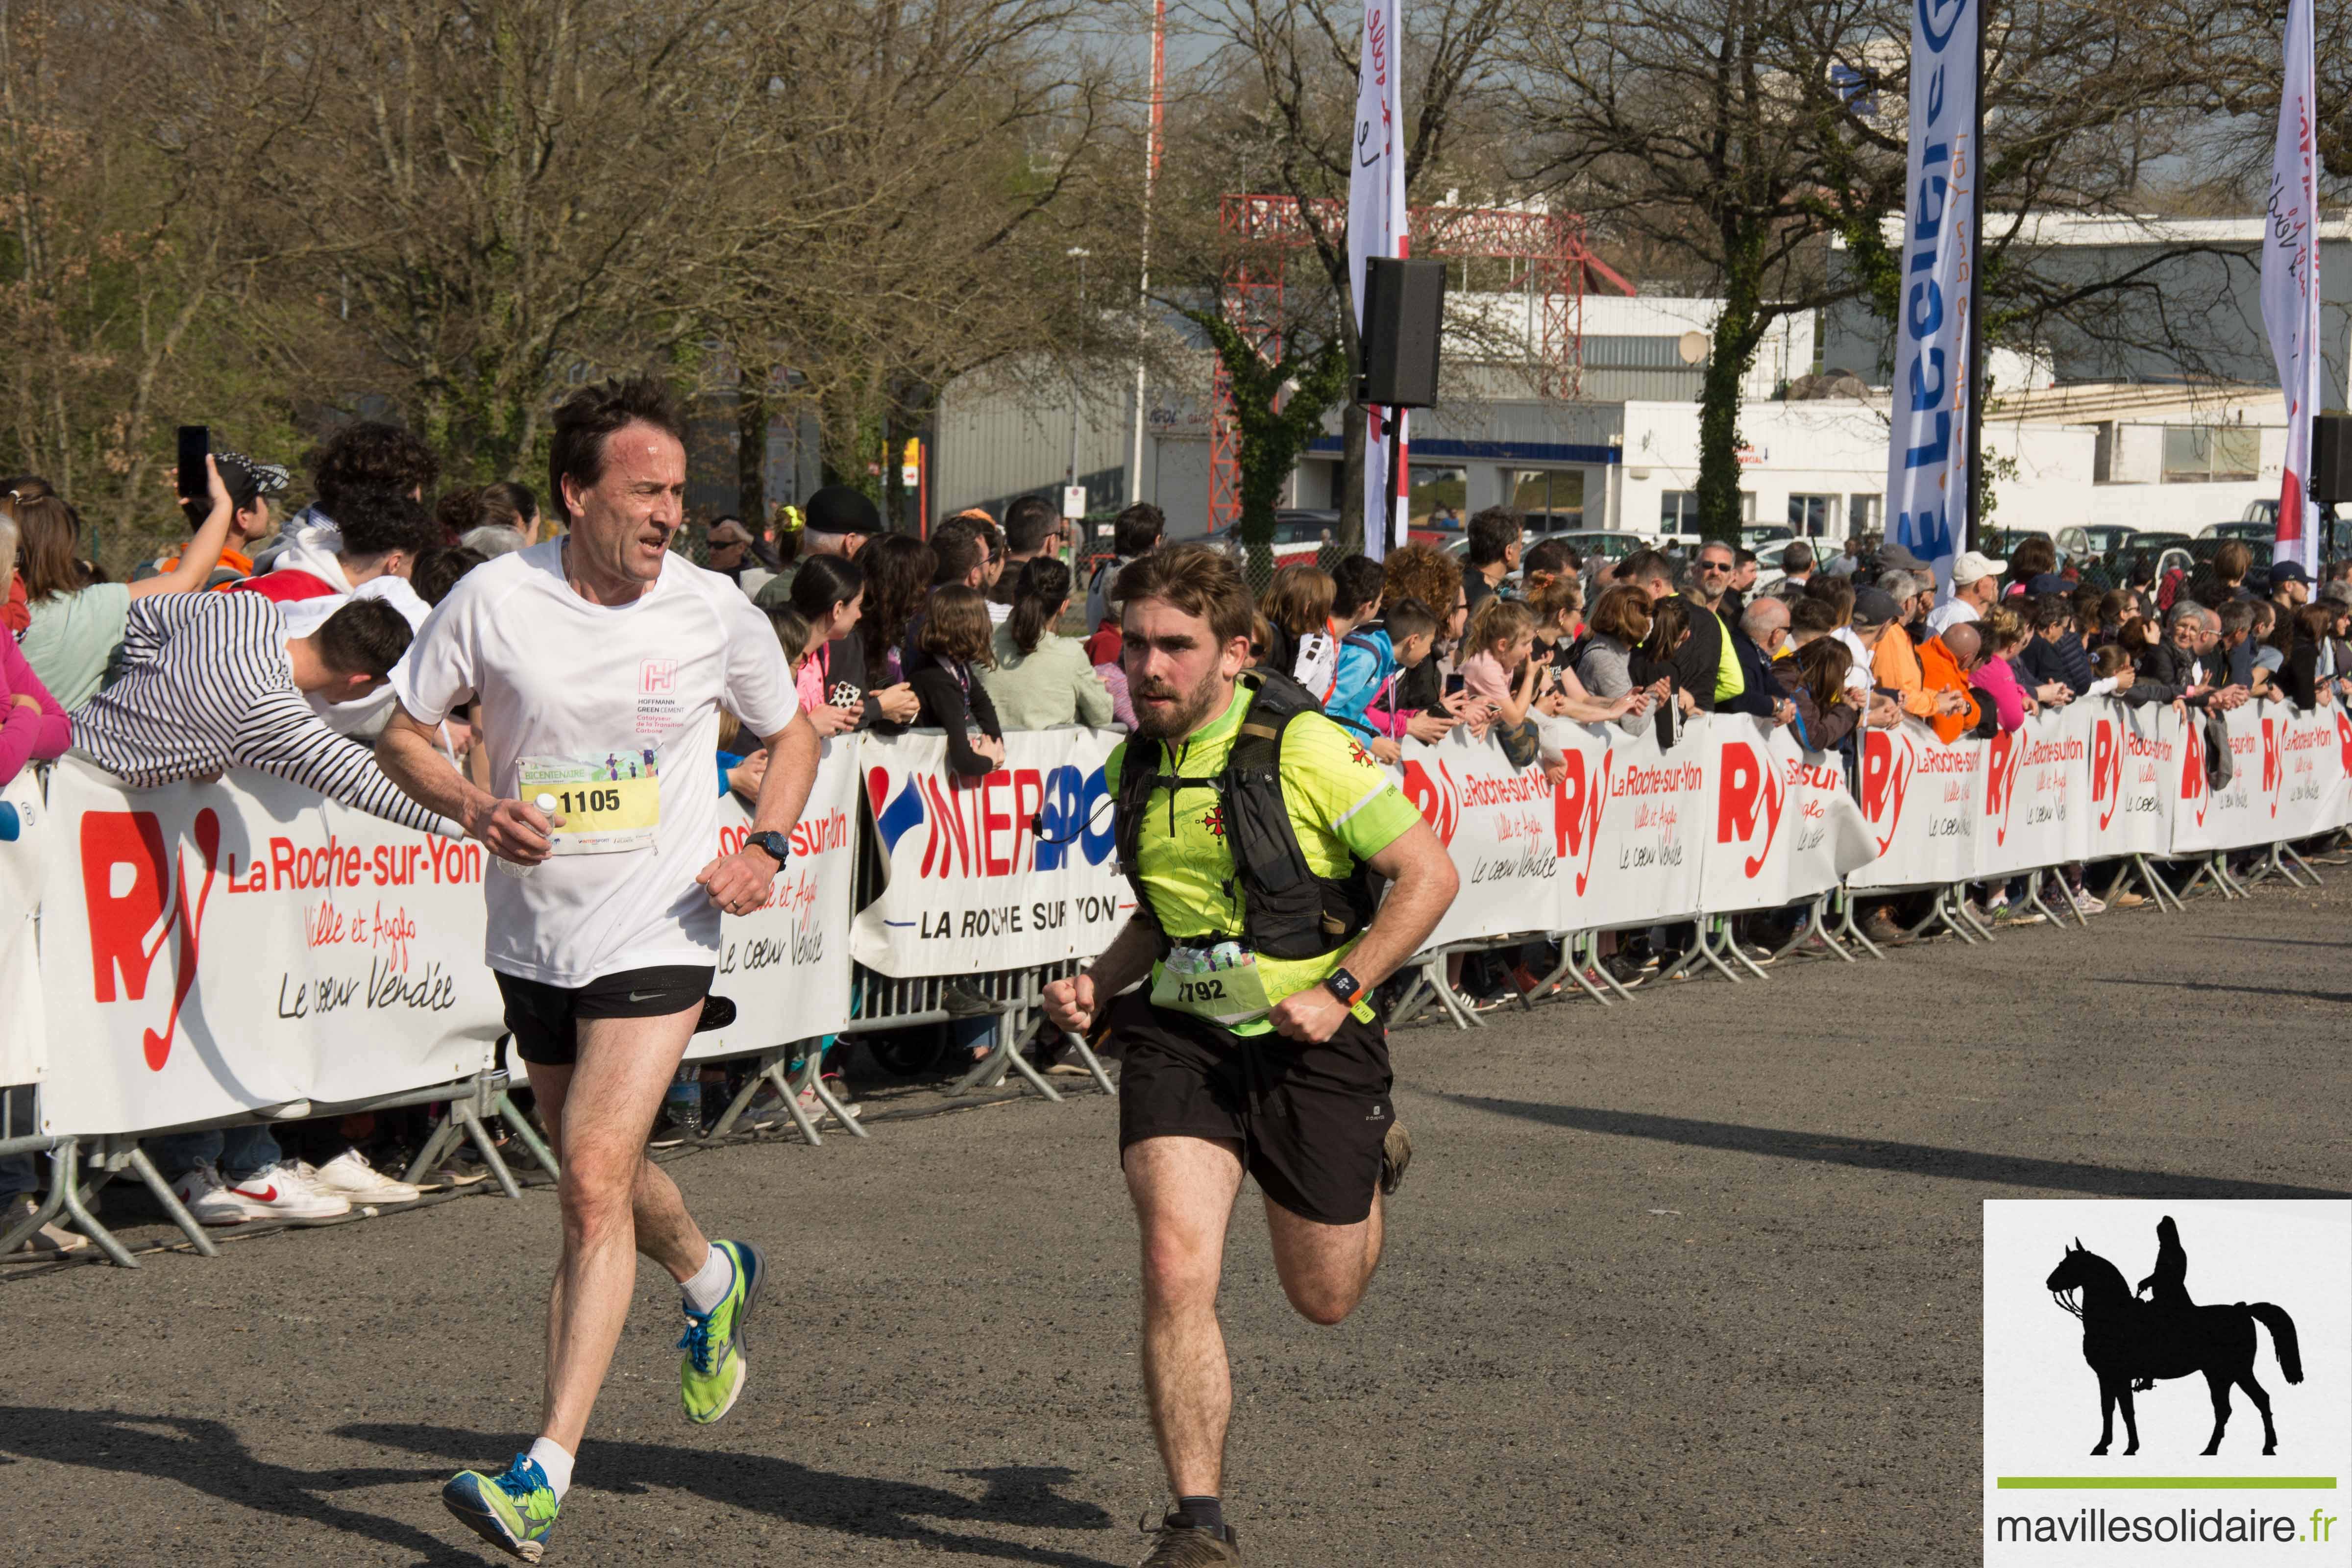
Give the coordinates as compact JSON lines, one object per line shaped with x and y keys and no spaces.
{"x":210,"y":1457}
{"x":862,"y":1506}
{"x":2337,"y":996}
{"x":1879,"y":1154}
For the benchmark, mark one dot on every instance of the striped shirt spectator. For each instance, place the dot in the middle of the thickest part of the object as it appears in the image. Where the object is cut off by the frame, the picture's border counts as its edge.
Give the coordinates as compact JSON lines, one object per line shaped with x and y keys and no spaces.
{"x":211,"y":681}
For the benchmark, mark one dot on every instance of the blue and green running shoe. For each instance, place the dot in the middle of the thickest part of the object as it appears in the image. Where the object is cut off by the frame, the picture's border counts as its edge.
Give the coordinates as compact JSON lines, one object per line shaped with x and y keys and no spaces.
{"x":514,"y":1511}
{"x":710,"y":1374}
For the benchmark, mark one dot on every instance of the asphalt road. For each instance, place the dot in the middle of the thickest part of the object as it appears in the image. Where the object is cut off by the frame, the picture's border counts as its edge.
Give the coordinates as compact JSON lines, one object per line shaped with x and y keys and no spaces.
{"x":1690,"y":1280}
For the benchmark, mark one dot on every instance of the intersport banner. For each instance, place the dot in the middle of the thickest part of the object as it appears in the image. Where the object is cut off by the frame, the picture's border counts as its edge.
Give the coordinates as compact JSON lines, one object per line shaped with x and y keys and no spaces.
{"x":1006,"y":872}
{"x":785,"y":966}
{"x":211,"y":949}
{"x":1786,"y":826}
{"x":1921,"y":800}
{"x":24,"y":837}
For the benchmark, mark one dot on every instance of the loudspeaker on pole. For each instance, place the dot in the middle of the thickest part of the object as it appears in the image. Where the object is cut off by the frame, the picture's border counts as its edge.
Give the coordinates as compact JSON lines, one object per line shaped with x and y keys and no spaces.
{"x":1405,"y":312}
{"x":2331,"y":457}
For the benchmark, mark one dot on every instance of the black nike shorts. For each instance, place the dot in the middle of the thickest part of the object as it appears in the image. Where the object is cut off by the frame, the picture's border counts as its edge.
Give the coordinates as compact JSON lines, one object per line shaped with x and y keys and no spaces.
{"x":545,"y":1019}
{"x":1309,"y":1119}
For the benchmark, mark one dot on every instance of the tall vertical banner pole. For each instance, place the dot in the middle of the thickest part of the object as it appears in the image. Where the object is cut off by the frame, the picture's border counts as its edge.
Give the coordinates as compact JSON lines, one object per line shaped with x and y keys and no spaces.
{"x":1143,"y":287}
{"x":1377,"y":226}
{"x":2291,"y":285}
{"x":1931,"y":460}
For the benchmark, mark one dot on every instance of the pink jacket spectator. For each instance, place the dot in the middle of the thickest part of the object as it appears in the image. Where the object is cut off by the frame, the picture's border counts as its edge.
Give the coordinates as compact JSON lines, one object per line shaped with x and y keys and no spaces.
{"x":1998,"y":681}
{"x":27,"y":735}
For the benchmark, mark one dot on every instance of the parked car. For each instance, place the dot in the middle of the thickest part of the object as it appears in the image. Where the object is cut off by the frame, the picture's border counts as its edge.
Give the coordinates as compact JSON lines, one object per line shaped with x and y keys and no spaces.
{"x":1606,"y":544}
{"x":2102,"y":539}
{"x":2264,"y":528}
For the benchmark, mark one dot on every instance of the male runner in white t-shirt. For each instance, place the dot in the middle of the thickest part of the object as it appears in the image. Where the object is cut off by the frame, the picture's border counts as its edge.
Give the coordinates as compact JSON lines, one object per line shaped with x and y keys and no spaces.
{"x":602,"y":661}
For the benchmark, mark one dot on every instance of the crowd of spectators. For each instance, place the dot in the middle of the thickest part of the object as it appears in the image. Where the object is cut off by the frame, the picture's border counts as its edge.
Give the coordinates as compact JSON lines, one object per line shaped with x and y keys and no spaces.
{"x":249,"y":645}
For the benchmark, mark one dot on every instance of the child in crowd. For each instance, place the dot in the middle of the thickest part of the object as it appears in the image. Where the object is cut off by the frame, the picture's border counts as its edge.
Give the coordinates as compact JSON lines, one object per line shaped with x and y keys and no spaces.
{"x":1501,"y":672}
{"x":1298,"y":606}
{"x":956,"y":637}
{"x":1408,"y":636}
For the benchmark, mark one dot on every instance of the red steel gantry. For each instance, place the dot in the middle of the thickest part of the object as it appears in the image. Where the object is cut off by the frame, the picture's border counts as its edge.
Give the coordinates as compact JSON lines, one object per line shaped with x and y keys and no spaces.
{"x":1261,"y":231}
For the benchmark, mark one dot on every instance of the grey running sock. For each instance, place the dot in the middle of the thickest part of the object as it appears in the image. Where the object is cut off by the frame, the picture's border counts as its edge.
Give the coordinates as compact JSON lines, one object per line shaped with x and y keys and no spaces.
{"x":1205,"y":1513}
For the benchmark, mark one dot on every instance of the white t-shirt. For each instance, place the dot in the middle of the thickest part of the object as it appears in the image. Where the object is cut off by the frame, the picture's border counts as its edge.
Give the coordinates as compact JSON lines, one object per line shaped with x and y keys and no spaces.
{"x":1857,"y":674}
{"x":1950,"y":613}
{"x":619,"y":704}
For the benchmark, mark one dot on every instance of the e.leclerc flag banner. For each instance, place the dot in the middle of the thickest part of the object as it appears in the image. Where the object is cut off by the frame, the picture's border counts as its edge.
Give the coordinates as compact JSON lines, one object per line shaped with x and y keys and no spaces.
{"x":1377,"y":226}
{"x":2291,"y":285}
{"x":1927,"y":467}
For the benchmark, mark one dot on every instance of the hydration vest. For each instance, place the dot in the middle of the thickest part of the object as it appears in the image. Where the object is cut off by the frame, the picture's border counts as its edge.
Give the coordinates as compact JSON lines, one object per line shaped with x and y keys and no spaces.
{"x":1288,"y":911}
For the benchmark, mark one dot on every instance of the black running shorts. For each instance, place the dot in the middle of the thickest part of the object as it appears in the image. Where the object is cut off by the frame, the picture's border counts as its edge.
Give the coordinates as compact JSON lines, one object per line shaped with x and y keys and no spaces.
{"x":545,"y":1019}
{"x":1309,"y":1119}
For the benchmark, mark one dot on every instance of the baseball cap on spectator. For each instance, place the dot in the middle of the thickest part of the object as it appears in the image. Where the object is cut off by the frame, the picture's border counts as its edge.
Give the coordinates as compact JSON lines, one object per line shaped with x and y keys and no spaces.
{"x":2288,"y":572}
{"x":729,"y":531}
{"x":2050,"y":583}
{"x":260,"y":478}
{"x":1893,"y":557}
{"x":1974,"y":566}
{"x":837,"y":508}
{"x":1874,"y":607}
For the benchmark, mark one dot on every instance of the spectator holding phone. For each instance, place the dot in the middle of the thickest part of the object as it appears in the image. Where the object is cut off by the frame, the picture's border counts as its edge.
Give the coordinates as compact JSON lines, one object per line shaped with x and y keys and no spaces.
{"x":76,"y":626}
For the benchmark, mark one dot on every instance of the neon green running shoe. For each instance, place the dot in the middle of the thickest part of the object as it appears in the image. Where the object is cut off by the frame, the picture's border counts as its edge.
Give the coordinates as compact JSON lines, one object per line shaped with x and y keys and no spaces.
{"x":514,"y":1511}
{"x":710,"y":1374}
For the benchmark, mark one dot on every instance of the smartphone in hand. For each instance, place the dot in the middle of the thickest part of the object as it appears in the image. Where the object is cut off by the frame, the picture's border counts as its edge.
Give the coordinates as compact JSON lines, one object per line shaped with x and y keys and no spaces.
{"x":195,"y":445}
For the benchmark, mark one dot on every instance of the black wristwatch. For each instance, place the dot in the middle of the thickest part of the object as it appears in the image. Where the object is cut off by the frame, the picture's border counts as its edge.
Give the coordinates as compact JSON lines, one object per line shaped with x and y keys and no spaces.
{"x":775,"y":844}
{"x":1343,"y":985}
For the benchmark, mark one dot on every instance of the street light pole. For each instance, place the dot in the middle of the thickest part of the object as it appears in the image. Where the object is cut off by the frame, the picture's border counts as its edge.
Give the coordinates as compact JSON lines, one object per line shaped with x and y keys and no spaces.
{"x":1076,"y":391}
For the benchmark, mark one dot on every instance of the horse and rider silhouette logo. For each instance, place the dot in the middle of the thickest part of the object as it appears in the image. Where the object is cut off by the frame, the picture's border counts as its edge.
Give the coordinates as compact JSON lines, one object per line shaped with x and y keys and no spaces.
{"x":2131,"y":1343}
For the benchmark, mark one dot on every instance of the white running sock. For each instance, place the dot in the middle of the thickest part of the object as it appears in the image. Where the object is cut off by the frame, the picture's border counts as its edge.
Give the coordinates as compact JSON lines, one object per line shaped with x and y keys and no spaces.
{"x":555,"y":1462}
{"x":709,"y":1285}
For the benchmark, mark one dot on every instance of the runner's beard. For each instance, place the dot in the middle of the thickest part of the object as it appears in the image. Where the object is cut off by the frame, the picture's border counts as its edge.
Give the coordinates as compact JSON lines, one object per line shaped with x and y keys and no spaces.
{"x":1182,"y":720}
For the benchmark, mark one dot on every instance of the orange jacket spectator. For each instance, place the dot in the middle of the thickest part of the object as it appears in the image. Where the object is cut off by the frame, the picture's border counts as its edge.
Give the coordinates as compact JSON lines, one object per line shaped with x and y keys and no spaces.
{"x":1940,"y":671}
{"x":1895,"y":665}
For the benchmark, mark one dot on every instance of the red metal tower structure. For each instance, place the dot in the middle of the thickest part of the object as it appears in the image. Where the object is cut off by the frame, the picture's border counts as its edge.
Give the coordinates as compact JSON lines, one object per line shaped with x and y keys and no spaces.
{"x":1261,"y":232}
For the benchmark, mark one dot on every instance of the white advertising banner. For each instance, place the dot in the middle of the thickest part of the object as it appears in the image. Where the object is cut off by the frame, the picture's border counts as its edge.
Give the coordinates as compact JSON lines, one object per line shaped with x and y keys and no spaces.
{"x":24,"y":836}
{"x":2300,"y":784}
{"x":1927,"y":467}
{"x":785,"y":966}
{"x":2036,"y":780}
{"x":213,"y":949}
{"x":2135,"y":752}
{"x":1496,"y":821}
{"x":2236,"y":815}
{"x":1629,"y":824}
{"x":1920,"y":799}
{"x":1786,"y":826}
{"x":1005,"y":872}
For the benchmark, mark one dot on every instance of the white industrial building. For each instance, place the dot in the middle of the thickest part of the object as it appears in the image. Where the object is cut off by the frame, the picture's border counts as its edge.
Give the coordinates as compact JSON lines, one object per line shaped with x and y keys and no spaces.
{"x":2062,"y":449}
